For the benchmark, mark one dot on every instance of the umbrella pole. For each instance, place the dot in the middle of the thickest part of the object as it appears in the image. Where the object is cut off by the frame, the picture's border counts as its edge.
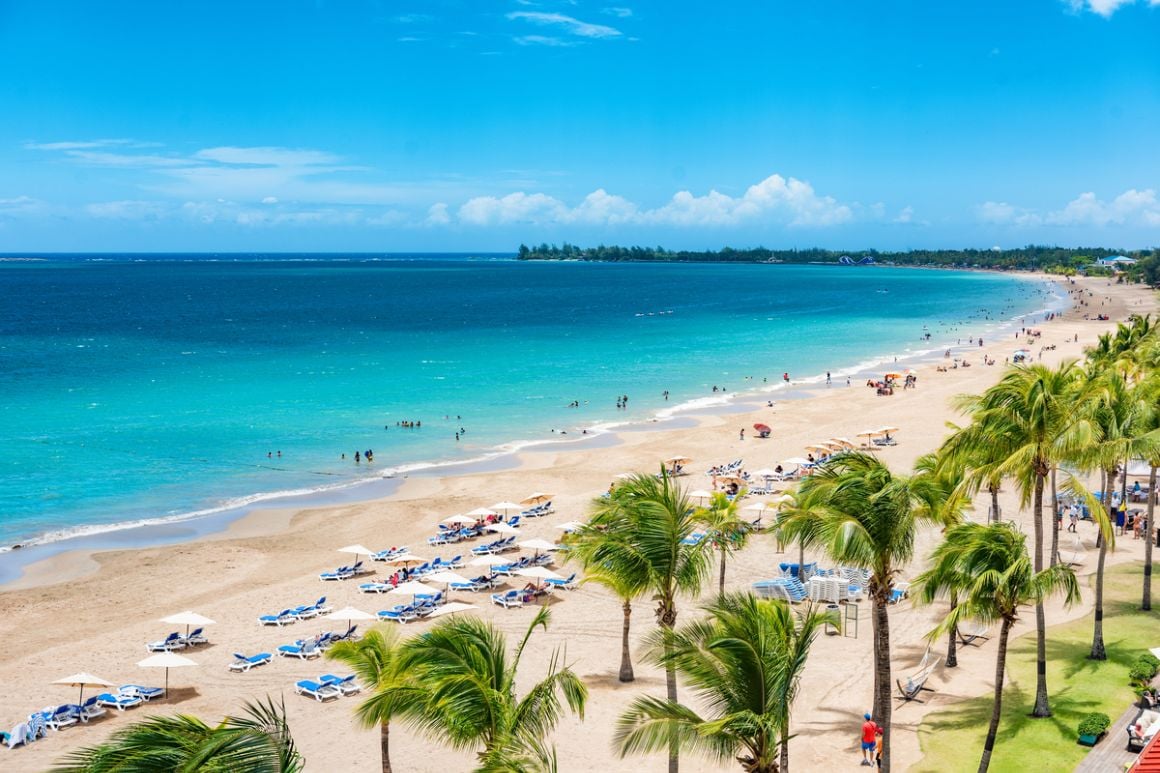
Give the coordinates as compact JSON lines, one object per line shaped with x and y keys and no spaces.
{"x":81,"y":696}
{"x":167,"y":684}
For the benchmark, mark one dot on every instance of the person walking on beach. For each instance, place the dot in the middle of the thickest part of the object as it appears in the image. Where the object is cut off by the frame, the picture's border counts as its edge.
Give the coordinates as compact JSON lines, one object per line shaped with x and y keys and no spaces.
{"x":869,"y":740}
{"x":742,"y":433}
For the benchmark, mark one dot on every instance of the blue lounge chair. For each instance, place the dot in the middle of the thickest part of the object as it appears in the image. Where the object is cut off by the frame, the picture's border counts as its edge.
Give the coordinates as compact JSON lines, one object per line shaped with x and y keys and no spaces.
{"x":173,"y":641}
{"x":91,"y":709}
{"x":374,"y":587}
{"x":243,"y":663}
{"x":400,"y":614}
{"x":514,"y":522}
{"x":285,"y":617}
{"x":341,"y":573}
{"x":345,"y":684}
{"x":62,"y":716}
{"x":303,"y":650}
{"x":513,"y":598}
{"x":319,"y":692}
{"x":306,"y":611}
{"x":138,"y":691}
{"x":119,"y":702}
{"x":568,"y":583}
{"x":478,"y":584}
{"x":197,"y":637}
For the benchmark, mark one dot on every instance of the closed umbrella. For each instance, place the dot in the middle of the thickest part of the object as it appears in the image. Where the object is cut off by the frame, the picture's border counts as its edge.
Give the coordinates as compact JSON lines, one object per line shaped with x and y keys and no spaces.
{"x":188,"y":619}
{"x":83,"y":680}
{"x":166,"y":660}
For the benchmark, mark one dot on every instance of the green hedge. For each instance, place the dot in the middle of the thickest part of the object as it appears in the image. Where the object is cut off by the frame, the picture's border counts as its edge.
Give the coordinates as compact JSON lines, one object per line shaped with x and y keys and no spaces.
{"x":1094,"y":724}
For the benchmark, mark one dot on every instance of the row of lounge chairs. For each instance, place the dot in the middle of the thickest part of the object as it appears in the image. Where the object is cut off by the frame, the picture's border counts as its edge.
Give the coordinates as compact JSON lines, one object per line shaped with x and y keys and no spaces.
{"x":305,"y":649}
{"x":68,"y":714}
{"x":788,"y":589}
{"x":725,"y":469}
{"x":423,"y":606}
{"x":177,"y":641}
{"x":499,"y":546}
{"x":448,"y":534}
{"x":294,"y":614}
{"x":346,"y":572}
{"x":328,"y":686}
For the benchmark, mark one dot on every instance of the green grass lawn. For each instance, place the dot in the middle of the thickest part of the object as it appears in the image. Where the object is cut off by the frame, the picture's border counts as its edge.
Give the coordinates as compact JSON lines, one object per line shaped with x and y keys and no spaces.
{"x":952,"y":739}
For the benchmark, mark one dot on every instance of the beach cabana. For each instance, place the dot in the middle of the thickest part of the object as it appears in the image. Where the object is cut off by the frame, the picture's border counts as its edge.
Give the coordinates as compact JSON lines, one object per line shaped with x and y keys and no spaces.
{"x":83,"y":680}
{"x":166,"y":660}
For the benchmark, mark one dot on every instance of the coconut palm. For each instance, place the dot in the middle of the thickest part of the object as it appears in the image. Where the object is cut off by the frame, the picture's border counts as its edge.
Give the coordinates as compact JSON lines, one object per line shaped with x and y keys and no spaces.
{"x":258,"y":741}
{"x":990,"y":568}
{"x":467,"y":698}
{"x":861,"y":515}
{"x":728,"y":531}
{"x":653,"y":522}
{"x":375,"y":661}
{"x":1030,"y":415}
{"x":744,"y":662}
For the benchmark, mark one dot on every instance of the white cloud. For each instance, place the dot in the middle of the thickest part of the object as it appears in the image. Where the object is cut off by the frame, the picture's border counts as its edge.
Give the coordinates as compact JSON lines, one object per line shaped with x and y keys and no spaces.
{"x":569,"y":24}
{"x":437,"y":214}
{"x":1132,"y":207}
{"x":128,"y":210}
{"x":620,"y":13}
{"x":266,"y":156}
{"x":791,"y":202}
{"x":906,"y":215}
{"x":1104,"y":8}
{"x":542,"y":40}
{"x":270,"y":200}
{"x":21,"y":205}
{"x":87,"y":144}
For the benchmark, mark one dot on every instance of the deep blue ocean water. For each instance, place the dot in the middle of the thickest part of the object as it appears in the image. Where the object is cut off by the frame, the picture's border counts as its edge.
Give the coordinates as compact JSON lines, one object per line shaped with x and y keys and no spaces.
{"x":141,"y":388}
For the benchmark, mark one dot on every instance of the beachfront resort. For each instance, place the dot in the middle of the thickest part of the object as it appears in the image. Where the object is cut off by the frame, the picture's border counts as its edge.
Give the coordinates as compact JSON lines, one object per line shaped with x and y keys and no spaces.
{"x":852,"y":582}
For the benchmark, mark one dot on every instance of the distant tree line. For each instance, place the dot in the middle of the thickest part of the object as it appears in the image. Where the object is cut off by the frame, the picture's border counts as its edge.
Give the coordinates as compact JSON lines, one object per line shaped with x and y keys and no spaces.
{"x":1032,"y":257}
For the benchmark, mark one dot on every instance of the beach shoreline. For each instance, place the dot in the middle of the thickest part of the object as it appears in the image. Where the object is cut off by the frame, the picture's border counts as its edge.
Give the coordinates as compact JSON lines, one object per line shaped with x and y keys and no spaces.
{"x":26,"y":563}
{"x":270,"y":559}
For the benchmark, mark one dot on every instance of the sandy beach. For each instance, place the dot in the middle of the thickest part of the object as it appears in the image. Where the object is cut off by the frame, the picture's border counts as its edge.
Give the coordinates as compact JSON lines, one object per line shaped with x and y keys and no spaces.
{"x":94,"y":612}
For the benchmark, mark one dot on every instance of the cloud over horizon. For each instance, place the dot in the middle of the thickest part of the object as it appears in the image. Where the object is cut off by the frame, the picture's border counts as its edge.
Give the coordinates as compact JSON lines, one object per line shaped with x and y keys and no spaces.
{"x":1132,"y":207}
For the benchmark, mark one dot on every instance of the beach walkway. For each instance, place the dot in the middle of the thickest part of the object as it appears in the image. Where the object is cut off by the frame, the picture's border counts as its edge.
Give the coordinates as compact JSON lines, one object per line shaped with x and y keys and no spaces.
{"x":1111,"y":754}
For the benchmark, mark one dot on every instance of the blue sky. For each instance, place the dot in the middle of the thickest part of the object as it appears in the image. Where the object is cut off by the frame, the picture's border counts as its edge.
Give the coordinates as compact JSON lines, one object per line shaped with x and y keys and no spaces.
{"x":401,"y":125}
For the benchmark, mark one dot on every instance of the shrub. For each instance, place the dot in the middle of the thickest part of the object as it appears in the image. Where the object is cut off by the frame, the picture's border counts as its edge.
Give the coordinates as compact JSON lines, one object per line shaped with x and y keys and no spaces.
{"x":1150,"y":659}
{"x":1094,"y":724}
{"x":1143,"y":670}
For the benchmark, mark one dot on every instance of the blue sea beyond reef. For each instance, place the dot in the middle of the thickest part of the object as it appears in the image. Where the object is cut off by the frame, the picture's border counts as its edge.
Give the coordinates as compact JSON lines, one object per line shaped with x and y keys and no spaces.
{"x":145,"y":388}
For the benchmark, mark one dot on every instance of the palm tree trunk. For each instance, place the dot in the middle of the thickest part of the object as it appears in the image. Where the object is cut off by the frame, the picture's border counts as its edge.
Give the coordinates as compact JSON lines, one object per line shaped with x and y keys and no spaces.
{"x":385,"y":745}
{"x":626,"y":674}
{"x":721,"y":590}
{"x":1150,"y":536}
{"x":1098,"y":651}
{"x":1054,"y":521}
{"x":882,"y":704}
{"x":784,"y":751}
{"x":952,"y":652}
{"x":995,"y":516}
{"x":1042,"y":708}
{"x":668,"y":620}
{"x":997,"y":709}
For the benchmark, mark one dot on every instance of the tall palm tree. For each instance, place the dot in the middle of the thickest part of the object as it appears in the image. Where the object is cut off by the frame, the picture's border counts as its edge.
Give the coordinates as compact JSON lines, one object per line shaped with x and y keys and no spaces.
{"x":375,"y":659}
{"x":728,"y":531}
{"x":744,"y":662}
{"x":258,"y":741}
{"x":1121,"y":417}
{"x":950,"y":500}
{"x":654,"y":521}
{"x":1150,"y":388}
{"x":990,"y":568}
{"x":1030,"y":414}
{"x":466,"y":694}
{"x":866,"y":517}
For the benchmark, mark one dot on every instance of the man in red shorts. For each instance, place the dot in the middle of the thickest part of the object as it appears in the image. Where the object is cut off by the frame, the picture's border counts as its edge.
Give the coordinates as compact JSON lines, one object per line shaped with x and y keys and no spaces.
{"x":869,"y":742}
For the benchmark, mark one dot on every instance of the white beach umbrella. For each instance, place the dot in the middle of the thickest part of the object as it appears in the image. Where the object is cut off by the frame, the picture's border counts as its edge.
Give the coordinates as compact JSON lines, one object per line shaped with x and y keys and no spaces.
{"x":887,"y":430}
{"x":188,"y":619}
{"x":869,"y":433}
{"x":445,"y":577}
{"x":358,"y":550}
{"x":757,"y":507}
{"x":539,"y":544}
{"x":569,"y":526}
{"x":412,"y":587}
{"x":764,"y":472}
{"x":491,"y":560}
{"x":451,"y":608}
{"x":701,"y":494}
{"x":166,"y":660}
{"x":83,"y":680}
{"x":505,"y":506}
{"x":537,"y":498}
{"x":539,"y":572}
{"x":482,"y":512}
{"x":350,"y":614}
{"x":464,"y":519}
{"x":625,"y":475}
{"x":407,"y":558}
{"x":502,"y":528}
{"x":796,"y":460}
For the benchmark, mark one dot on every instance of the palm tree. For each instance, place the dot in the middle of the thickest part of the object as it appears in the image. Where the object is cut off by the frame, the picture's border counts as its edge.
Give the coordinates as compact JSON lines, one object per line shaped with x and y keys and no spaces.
{"x":466,"y":694}
{"x":863,"y":516}
{"x":375,"y":660}
{"x":653,"y":523}
{"x":990,"y":568}
{"x":744,"y":662}
{"x":727,"y":529}
{"x":259,"y":741}
{"x":1030,"y":415}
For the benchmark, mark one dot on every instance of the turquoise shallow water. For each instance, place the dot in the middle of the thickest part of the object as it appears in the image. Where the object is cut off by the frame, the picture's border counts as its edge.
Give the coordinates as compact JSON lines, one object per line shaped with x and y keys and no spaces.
{"x":142,"y":388}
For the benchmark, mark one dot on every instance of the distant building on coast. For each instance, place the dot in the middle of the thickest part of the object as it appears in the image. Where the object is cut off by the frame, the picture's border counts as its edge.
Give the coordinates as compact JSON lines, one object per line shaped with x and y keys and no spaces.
{"x":1116,"y":262}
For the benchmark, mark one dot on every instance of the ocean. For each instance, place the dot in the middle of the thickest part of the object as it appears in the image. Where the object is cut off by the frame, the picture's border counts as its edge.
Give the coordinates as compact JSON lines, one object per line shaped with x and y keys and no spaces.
{"x":140,"y":389}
